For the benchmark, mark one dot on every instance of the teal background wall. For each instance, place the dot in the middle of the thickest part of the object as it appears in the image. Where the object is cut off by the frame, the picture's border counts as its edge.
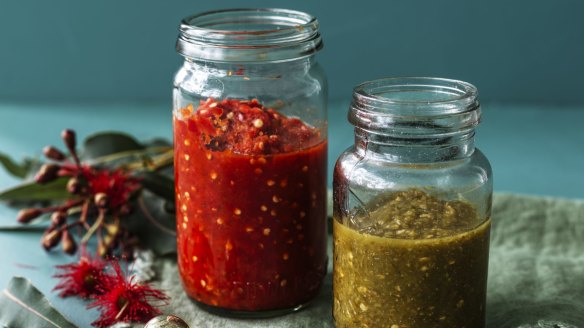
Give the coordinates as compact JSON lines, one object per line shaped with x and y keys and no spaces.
{"x":108,"y":65}
{"x":514,"y":51}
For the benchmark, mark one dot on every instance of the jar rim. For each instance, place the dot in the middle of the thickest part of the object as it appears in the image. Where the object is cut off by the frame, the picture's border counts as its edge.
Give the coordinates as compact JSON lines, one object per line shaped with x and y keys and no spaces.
{"x":415,"y":105}
{"x":378,"y":91}
{"x":249,"y":34}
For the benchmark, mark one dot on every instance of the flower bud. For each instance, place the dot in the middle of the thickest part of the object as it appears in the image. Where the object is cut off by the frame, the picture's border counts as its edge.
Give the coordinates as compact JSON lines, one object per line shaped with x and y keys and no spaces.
{"x":76,"y":186}
{"x":101,"y":200}
{"x":27,"y":215}
{"x":58,"y":218}
{"x":47,"y":173}
{"x":69,"y":139}
{"x":68,"y":243}
{"x":53,"y":153}
{"x":112,"y":229}
{"x":51,"y":238}
{"x":108,"y":240}
{"x":102,"y":250}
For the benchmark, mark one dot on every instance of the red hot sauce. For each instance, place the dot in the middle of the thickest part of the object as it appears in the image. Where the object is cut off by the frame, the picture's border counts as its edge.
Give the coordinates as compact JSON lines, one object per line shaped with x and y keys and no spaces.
{"x":251,"y":205}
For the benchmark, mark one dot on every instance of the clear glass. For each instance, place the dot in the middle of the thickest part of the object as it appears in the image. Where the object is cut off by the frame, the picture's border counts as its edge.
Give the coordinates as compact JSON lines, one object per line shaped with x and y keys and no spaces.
{"x":412,"y":207}
{"x":250,"y":134}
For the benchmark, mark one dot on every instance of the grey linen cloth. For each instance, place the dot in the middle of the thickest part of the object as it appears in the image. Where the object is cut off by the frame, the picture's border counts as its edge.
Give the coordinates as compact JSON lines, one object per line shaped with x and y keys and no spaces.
{"x":536,"y":272}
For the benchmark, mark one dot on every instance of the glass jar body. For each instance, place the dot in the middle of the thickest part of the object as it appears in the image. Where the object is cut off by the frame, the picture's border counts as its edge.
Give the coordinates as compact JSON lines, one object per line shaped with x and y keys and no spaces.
{"x":411,"y":227}
{"x":250,"y":174}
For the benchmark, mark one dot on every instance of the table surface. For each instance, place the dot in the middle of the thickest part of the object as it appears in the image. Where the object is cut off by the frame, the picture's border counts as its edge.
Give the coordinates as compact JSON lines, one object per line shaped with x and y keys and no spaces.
{"x":533,"y":150}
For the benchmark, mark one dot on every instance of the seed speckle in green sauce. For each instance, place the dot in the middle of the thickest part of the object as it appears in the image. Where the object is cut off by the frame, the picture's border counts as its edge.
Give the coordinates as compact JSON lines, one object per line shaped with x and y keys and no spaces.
{"x":414,"y":262}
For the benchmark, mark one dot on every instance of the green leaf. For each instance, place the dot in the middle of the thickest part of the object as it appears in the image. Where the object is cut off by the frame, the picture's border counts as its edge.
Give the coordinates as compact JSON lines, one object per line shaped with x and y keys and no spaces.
{"x":158,"y":184}
{"x":154,"y":225}
{"x":106,"y":143}
{"x":18,"y":170}
{"x":23,"y":305}
{"x":31,"y":191}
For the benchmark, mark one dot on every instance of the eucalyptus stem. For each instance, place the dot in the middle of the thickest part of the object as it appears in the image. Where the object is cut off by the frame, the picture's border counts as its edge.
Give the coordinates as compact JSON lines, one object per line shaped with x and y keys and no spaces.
{"x":94,"y":227}
{"x":161,"y":161}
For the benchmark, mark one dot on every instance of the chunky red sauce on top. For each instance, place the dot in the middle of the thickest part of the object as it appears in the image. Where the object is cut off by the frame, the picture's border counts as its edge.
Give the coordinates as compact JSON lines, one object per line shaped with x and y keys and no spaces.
{"x":251,"y":198}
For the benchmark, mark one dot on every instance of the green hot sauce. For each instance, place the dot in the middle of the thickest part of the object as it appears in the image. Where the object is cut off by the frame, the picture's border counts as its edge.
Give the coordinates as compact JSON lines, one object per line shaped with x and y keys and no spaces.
{"x":414,"y":262}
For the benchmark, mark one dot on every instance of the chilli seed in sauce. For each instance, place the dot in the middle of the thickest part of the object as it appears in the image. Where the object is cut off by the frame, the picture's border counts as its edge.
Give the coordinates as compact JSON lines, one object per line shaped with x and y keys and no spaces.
{"x":239,"y":246}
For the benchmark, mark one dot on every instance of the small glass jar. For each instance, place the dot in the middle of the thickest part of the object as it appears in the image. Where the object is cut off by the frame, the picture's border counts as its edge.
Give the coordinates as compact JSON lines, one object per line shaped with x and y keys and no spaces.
{"x":250,"y":140}
{"x":412,"y":207}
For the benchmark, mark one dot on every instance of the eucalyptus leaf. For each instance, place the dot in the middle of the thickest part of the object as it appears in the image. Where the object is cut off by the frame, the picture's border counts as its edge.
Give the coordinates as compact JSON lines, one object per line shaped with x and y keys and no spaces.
{"x":106,"y":143}
{"x":23,"y":305}
{"x":19,"y":170}
{"x":159,"y":184}
{"x":154,"y":225}
{"x":31,"y":191}
{"x":158,"y":142}
{"x":129,"y":157}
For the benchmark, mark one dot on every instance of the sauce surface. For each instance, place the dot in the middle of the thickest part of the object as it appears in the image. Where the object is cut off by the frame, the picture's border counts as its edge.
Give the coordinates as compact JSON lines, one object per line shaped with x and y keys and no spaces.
{"x":415,"y":262}
{"x":251,"y":198}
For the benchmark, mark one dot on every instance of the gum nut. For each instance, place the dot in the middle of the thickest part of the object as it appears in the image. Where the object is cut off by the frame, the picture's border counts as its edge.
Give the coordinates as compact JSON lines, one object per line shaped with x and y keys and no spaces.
{"x":166,"y":321}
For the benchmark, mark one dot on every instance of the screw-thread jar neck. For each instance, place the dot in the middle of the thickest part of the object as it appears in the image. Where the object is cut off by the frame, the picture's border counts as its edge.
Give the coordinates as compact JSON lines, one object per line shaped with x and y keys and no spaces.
{"x":415,"y":119}
{"x":249,"y":35}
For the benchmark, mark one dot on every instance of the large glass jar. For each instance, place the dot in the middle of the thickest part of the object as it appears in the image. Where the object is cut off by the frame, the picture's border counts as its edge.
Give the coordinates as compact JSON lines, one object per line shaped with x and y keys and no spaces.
{"x":250,"y":140}
{"x":412,"y":207}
